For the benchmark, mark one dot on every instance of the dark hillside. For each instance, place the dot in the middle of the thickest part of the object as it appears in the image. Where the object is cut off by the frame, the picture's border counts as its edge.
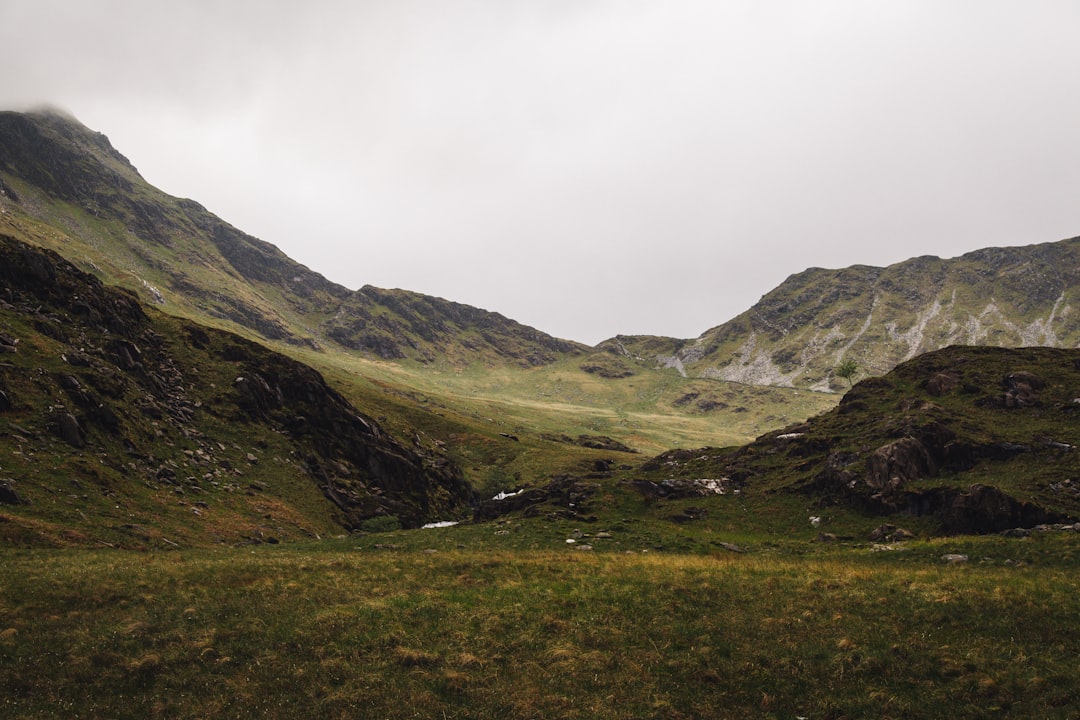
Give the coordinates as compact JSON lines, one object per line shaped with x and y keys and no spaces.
{"x":396,"y":324}
{"x":127,"y":427}
{"x":977,"y":439}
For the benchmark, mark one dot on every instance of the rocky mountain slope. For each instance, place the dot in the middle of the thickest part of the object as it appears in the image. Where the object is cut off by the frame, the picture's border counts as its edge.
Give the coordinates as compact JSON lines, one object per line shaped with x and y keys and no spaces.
{"x":967,"y":439}
{"x":65,"y":187}
{"x":130,"y":427}
{"x":799,"y":332}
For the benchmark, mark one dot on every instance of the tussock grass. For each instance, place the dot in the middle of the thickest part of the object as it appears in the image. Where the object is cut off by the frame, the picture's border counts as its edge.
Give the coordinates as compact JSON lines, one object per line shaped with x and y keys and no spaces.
{"x":338,"y":631}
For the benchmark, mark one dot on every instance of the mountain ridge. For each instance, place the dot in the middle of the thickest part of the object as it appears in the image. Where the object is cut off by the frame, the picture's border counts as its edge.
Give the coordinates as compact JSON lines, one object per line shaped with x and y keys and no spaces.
{"x":880,"y":316}
{"x":58,"y":174}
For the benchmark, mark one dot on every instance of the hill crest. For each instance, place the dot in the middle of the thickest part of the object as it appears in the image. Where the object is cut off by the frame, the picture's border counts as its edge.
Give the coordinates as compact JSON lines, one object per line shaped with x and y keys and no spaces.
{"x":65,"y":187}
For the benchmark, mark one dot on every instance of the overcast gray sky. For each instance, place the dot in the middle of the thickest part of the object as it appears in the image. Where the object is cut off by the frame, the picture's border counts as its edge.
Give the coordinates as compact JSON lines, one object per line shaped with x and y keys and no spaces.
{"x":587,"y":167}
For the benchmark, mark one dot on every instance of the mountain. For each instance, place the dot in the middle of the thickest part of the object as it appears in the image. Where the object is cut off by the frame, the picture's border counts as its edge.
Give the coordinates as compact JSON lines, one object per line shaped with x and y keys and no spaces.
{"x":961,"y":440}
{"x":65,"y":187}
{"x":130,"y":427}
{"x":799,"y":332}
{"x":459,"y":376}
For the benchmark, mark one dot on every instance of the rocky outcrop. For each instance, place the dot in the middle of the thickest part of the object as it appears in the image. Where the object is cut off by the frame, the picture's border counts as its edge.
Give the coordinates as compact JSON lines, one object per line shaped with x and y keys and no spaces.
{"x":565,"y":496}
{"x":359,"y":468}
{"x":899,"y":462}
{"x":980,"y":509}
{"x":980,"y":439}
{"x":8,"y":494}
{"x":607,"y":365}
{"x":1021,"y":389}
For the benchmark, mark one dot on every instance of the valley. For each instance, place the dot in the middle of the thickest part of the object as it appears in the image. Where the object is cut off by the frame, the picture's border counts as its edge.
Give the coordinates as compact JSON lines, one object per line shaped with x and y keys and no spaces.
{"x":216,"y":466}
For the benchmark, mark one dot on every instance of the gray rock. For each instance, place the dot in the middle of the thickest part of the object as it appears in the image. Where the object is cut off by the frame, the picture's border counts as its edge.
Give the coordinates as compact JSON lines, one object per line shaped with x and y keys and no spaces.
{"x":897,"y":463}
{"x":730,"y":547}
{"x":70,"y":430}
{"x":890,"y":533}
{"x":8,"y":496}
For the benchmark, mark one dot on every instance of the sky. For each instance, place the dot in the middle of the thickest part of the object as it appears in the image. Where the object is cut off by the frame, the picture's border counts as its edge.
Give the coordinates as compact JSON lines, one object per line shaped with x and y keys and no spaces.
{"x":586,"y":167}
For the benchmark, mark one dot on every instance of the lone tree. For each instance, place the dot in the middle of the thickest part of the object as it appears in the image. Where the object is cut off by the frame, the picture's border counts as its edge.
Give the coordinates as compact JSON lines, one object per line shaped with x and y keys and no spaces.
{"x":847,"y":369}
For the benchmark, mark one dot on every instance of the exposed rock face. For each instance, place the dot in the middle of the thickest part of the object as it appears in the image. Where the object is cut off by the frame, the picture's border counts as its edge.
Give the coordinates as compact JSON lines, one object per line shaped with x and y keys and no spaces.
{"x":899,"y":462}
{"x":979,"y":510}
{"x":349,"y":455}
{"x":68,"y":428}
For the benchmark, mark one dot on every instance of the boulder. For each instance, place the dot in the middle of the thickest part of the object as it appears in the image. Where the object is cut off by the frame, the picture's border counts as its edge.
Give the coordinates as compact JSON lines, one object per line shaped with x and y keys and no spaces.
{"x":70,"y":431}
{"x":941,"y":383}
{"x":890,"y":533}
{"x":689,"y":515}
{"x":8,"y":496}
{"x":901,"y":461}
{"x":1021,"y":389}
{"x":259,"y":397}
{"x":127,"y":355}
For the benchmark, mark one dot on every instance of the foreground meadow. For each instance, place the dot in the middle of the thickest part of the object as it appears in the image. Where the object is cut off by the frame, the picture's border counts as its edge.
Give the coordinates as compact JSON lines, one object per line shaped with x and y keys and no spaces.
{"x":371,"y":629}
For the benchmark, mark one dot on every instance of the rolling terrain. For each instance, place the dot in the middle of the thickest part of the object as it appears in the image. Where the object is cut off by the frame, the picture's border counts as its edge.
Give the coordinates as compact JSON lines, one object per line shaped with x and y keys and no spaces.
{"x":214,"y":463}
{"x":474,"y":403}
{"x":396,"y":354}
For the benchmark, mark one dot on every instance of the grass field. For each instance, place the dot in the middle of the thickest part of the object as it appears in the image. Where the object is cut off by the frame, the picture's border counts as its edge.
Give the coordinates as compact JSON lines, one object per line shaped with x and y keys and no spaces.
{"x":445,"y":623}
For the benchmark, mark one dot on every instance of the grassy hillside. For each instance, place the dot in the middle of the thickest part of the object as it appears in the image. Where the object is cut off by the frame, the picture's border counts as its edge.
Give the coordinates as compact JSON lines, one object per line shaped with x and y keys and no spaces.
{"x":966,"y":439}
{"x":122,"y":426}
{"x":65,"y":187}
